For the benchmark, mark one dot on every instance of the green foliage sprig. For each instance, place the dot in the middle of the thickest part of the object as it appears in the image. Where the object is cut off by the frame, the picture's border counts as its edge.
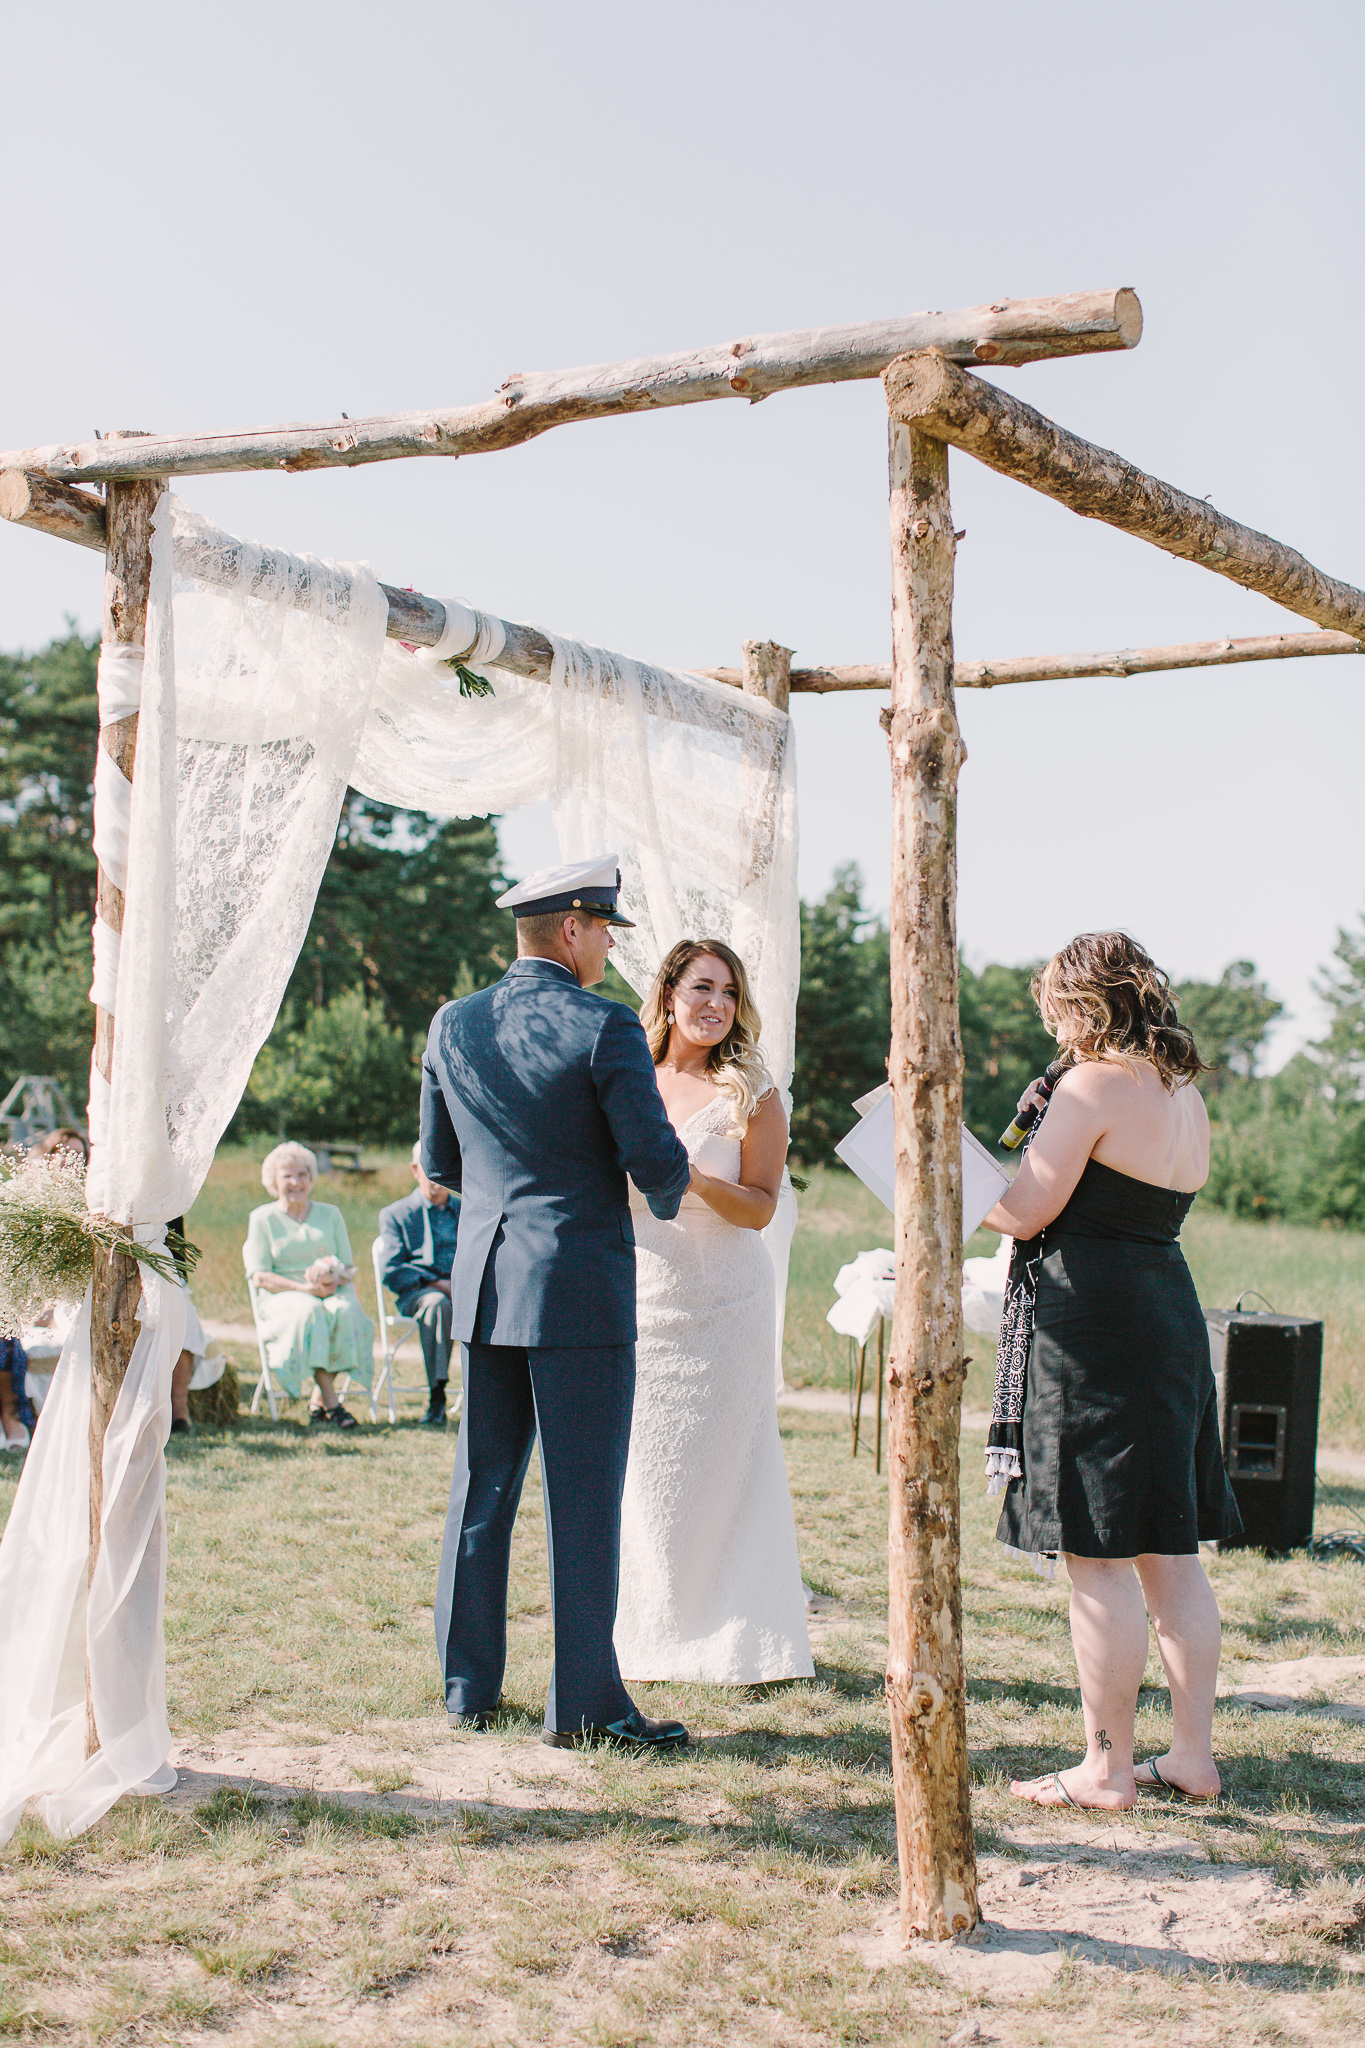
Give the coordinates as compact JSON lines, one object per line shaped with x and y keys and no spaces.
{"x":471,"y":685}
{"x":48,"y":1238}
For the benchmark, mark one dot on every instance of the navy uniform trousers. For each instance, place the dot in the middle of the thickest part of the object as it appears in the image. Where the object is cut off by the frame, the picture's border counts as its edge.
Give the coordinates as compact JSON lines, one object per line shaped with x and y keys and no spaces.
{"x":578,"y":1399}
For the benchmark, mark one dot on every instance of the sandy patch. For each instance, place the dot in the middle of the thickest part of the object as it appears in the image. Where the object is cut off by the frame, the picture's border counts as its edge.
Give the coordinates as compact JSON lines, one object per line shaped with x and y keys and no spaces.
{"x":1154,"y":1903}
{"x":444,"y":1770}
{"x":1334,"y":1686}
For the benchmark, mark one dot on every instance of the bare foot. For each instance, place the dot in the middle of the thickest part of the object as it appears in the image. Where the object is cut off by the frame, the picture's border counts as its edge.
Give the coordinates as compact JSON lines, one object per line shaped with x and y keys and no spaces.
{"x":1053,"y":1790}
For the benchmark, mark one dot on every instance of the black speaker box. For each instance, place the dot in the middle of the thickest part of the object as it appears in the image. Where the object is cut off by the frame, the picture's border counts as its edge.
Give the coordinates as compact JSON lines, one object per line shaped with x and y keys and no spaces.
{"x":1269,"y":1374}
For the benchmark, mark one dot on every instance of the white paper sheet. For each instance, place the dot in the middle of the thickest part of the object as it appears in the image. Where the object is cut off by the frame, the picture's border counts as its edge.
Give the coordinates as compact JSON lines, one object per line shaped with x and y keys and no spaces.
{"x":870,"y":1150}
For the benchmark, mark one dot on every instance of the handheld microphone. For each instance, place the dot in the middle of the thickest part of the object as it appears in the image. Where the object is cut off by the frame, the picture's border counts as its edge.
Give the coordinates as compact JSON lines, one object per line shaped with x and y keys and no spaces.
{"x":1023,"y":1123}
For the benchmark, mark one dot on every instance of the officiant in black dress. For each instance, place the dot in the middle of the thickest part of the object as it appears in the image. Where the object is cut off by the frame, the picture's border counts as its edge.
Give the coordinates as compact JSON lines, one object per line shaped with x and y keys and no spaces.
{"x":1105,"y":1437}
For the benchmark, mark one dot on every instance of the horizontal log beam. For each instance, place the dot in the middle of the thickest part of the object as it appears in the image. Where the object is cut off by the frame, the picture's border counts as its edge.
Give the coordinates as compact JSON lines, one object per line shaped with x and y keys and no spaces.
{"x":1005,"y":334}
{"x":46,"y":507}
{"x":79,"y":516}
{"x":1141,"y":661}
{"x":1051,"y":668}
{"x":927,"y":391}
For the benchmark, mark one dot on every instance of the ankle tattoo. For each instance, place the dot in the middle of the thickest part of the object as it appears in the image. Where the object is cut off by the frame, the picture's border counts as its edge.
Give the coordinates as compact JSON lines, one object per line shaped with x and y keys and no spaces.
{"x":1102,"y":1740}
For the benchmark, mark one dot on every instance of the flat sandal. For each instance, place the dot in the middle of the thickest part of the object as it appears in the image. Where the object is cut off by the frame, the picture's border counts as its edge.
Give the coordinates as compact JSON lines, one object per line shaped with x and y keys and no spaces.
{"x":1156,"y":1783}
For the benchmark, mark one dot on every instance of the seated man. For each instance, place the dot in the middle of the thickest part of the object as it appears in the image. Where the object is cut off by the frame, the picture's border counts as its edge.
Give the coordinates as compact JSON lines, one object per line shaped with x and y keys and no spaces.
{"x":417,"y":1240}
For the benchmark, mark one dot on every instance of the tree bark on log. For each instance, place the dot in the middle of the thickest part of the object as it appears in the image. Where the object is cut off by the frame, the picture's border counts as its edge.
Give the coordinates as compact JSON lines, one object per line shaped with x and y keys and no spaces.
{"x":1004,"y":334}
{"x":767,"y":671}
{"x":117,"y":1285}
{"x":935,"y":396}
{"x":925,"y":1679}
{"x":1053,"y":668}
{"x":47,"y":507}
{"x":70,"y":514}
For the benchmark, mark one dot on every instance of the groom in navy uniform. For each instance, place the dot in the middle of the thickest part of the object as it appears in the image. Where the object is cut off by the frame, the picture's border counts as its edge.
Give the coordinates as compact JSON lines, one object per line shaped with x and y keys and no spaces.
{"x":542,"y":1097}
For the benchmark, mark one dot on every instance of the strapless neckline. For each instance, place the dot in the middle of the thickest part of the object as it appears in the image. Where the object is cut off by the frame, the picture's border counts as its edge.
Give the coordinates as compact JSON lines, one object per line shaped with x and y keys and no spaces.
{"x":1107,"y":1203}
{"x":1138,"y":1181}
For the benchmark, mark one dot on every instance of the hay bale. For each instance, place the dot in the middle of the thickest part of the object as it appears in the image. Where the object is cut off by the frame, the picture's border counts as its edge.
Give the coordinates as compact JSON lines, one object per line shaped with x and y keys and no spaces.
{"x":218,"y":1406}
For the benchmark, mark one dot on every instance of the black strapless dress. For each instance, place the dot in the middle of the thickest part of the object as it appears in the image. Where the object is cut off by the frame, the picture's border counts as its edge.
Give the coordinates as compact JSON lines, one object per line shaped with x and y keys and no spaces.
{"x":1121,"y":1453}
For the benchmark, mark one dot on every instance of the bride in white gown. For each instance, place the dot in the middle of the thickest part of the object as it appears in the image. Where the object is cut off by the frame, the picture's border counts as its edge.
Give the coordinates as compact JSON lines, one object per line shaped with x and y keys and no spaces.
{"x":710,"y":1583}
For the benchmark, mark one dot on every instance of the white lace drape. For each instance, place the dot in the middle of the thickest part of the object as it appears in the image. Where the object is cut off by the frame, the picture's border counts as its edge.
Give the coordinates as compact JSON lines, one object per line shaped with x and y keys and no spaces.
{"x":267,"y":687}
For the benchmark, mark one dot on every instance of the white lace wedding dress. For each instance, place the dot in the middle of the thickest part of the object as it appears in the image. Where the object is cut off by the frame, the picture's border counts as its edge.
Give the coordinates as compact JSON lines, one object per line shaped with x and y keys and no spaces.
{"x":710,"y":1583}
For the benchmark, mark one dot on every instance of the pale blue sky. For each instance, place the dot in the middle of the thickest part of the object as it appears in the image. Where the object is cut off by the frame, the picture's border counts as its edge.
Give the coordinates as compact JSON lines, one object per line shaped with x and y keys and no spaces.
{"x":316,"y":209}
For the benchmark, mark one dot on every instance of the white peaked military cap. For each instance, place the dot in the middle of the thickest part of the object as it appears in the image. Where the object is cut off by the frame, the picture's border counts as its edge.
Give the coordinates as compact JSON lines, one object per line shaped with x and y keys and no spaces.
{"x":590,"y":885}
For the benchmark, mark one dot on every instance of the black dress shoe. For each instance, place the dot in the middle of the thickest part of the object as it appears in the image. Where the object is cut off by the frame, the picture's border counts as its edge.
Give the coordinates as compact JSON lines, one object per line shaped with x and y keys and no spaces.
{"x":180,"y":1427}
{"x":484,"y":1719}
{"x":435,"y":1417}
{"x":634,"y":1731}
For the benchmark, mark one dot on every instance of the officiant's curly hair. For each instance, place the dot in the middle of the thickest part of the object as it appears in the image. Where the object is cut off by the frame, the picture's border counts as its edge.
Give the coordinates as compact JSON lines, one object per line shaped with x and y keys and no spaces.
{"x":736,"y":1064}
{"x":1113,"y":1002}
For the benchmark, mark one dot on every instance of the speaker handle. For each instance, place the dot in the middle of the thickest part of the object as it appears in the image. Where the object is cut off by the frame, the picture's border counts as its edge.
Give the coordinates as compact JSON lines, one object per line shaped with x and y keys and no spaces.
{"x":1259,"y":1296}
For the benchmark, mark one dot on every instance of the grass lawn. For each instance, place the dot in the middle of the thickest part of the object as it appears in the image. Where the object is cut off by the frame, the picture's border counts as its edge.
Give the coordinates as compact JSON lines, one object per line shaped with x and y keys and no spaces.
{"x":339,"y":1868}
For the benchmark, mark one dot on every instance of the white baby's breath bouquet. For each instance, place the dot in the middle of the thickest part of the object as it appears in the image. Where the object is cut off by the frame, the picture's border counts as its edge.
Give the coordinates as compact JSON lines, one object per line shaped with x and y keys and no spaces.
{"x":49,"y":1239}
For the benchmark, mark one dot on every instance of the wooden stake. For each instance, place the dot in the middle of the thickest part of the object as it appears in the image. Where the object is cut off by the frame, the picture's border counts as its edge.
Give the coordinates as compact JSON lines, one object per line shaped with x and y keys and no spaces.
{"x":117,"y":1287}
{"x":1006,"y":333}
{"x":767,"y":671}
{"x":925,"y":1679}
{"x":935,"y":396}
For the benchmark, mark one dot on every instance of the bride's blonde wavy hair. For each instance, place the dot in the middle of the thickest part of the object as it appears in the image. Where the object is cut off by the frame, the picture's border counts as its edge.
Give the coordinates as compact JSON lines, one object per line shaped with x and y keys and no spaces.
{"x":736,"y":1064}
{"x":1115,"y":1003}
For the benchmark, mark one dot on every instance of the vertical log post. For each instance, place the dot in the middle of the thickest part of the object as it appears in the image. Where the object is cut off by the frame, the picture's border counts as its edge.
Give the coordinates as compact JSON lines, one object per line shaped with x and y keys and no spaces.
{"x":925,"y":1674}
{"x":117,"y":1287}
{"x":767,"y":671}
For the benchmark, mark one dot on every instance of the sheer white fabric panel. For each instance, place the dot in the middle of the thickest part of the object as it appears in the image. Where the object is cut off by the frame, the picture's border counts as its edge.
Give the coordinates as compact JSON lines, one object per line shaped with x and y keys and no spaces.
{"x":256,"y":687}
{"x":268,"y":686}
{"x":695,"y":782}
{"x":47,"y":1620}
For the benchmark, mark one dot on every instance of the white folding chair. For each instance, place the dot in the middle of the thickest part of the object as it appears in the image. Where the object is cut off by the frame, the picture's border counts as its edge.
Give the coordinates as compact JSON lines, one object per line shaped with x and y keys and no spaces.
{"x":390,"y":1322}
{"x":266,"y":1384}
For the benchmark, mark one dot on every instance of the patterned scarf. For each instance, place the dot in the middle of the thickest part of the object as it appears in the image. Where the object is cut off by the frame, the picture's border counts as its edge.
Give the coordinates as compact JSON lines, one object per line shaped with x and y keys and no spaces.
{"x":1005,"y":1438}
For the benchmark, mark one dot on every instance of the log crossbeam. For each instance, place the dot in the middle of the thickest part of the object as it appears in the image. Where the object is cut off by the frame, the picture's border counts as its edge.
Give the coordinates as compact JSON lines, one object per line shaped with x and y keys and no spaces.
{"x":1005,"y":334}
{"x":1051,"y":668}
{"x":937,"y":398}
{"x":76,"y":515}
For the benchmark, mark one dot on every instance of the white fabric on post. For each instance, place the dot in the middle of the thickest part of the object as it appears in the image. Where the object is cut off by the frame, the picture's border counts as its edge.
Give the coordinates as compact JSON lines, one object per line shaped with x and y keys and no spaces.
{"x":267,"y":687}
{"x":118,"y":680}
{"x":113,"y":817}
{"x":104,"y":983}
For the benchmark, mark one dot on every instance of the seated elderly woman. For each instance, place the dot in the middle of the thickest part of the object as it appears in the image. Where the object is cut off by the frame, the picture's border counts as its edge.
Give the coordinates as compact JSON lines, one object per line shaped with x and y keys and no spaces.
{"x":298,"y":1259}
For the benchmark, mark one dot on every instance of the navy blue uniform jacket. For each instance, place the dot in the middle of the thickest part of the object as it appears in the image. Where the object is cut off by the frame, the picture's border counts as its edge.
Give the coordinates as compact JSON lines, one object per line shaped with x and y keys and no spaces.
{"x":542,"y":1096}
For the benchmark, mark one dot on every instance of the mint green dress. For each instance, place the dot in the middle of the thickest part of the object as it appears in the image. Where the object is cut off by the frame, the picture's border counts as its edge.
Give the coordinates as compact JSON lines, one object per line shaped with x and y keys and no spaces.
{"x":305,"y":1333}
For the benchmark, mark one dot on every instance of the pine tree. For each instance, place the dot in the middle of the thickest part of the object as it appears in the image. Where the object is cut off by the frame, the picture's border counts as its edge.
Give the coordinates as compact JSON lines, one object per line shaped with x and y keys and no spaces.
{"x":843,"y":1015}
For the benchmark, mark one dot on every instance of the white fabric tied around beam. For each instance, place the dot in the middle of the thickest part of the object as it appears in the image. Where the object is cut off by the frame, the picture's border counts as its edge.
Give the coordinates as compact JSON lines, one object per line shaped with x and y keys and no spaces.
{"x":268,"y":687}
{"x":468,"y":636}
